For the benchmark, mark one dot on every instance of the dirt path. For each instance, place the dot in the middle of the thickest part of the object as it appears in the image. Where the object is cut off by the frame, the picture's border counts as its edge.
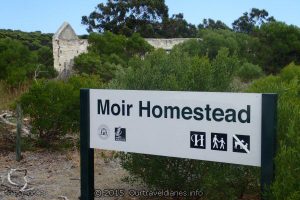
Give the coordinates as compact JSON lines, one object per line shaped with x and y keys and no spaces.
{"x":57,"y":174}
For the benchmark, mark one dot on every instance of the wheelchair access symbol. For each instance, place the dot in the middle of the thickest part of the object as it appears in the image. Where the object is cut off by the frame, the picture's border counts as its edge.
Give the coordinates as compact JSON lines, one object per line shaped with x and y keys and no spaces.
{"x":241,"y":143}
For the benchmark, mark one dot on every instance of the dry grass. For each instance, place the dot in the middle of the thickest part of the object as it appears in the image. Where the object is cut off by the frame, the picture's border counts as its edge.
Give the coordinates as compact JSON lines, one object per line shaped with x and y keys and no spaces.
{"x":237,"y":85}
{"x":9,"y":96}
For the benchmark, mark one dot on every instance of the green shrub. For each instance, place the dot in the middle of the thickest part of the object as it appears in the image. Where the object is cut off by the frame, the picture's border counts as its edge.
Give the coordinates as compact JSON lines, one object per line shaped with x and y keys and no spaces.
{"x":287,"y":162}
{"x":107,"y":44}
{"x":179,"y":71}
{"x":108,"y":52}
{"x":91,"y":63}
{"x":16,"y":76}
{"x":223,"y":69}
{"x":53,"y":106}
{"x":16,"y":61}
{"x":248,"y":72}
{"x":18,"y":64}
{"x":212,"y":40}
{"x":33,"y":40}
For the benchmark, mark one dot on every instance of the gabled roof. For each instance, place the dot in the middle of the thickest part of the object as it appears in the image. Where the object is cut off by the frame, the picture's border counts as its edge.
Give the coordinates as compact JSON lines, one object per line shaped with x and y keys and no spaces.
{"x":65,"y":32}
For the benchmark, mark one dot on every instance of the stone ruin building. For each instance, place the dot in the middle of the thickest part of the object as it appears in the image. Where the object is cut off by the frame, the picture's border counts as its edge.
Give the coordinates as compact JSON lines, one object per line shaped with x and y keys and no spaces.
{"x":67,"y":45}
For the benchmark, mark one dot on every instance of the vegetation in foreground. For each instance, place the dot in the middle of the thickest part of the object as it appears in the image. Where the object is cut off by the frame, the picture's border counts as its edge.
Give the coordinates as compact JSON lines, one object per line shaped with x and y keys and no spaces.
{"x":259,"y":54}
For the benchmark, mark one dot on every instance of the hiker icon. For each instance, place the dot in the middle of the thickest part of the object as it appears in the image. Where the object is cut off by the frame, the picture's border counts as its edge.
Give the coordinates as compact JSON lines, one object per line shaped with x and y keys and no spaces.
{"x":222,"y":143}
{"x":241,"y":143}
{"x":215,"y":141}
{"x":219,"y":141}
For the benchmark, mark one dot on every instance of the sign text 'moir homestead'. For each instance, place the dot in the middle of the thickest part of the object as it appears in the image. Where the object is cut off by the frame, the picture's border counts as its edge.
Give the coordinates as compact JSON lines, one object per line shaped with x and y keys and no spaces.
{"x":198,"y":113}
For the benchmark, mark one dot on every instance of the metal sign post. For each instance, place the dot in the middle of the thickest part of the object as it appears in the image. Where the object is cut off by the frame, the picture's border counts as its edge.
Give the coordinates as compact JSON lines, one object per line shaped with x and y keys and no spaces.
{"x":222,"y":127}
{"x":86,"y":153}
{"x":268,"y":139}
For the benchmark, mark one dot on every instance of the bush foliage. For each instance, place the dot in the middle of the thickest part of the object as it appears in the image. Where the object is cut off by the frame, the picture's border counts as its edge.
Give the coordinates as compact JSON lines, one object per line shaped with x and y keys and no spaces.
{"x":287,"y":162}
{"x":108,"y":52}
{"x":32,"y":40}
{"x":180,"y":71}
{"x":248,"y":72}
{"x":54,"y":106}
{"x":18,"y":64}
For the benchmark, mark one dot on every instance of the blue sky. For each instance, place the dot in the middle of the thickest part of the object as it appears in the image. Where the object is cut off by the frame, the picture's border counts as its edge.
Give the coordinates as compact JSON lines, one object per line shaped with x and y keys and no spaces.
{"x":48,"y":15}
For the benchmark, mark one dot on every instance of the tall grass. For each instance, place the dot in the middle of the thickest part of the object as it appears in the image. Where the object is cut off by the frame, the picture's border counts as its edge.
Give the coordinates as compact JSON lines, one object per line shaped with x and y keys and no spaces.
{"x":9,"y":95}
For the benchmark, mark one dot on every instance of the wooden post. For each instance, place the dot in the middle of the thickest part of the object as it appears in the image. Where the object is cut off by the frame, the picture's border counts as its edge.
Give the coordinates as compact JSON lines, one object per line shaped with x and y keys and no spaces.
{"x":19,"y":130}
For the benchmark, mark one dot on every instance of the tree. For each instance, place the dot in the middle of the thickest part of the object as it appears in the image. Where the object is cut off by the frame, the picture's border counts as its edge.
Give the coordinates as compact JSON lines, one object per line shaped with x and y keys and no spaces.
{"x":249,"y":21}
{"x":148,"y":18}
{"x":177,"y":26}
{"x":212,"y":24}
{"x":127,"y":17}
{"x":280,"y":45}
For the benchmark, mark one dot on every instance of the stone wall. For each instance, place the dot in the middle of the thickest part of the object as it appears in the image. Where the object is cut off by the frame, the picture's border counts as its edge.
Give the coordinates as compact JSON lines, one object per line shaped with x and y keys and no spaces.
{"x":67,"y":45}
{"x":64,"y":52}
{"x":166,"y":44}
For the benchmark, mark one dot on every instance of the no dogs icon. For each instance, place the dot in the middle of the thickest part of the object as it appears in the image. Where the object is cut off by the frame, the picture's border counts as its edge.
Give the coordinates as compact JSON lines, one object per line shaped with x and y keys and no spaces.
{"x":241,"y":143}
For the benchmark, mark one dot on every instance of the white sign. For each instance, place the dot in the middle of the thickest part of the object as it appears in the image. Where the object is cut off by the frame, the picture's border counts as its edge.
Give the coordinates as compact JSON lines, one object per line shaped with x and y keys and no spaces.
{"x":213,"y":126}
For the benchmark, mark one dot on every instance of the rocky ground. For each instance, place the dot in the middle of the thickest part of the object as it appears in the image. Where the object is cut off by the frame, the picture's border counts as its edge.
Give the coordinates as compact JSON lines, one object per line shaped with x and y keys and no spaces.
{"x":53,"y":174}
{"x":56,"y":175}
